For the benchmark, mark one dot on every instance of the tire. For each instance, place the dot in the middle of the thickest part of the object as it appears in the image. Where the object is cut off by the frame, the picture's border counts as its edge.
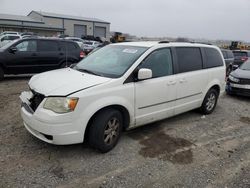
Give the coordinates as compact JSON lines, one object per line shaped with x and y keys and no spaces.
{"x":209,"y":102}
{"x":105,"y":130}
{"x":1,"y":74}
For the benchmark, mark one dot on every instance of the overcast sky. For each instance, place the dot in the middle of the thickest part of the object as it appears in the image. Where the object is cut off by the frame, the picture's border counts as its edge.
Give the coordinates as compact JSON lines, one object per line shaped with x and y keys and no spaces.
{"x":211,"y":19}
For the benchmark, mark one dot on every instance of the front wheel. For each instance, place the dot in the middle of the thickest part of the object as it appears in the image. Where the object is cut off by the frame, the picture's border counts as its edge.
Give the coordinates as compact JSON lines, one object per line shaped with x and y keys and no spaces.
{"x":210,"y":101}
{"x":105,"y":130}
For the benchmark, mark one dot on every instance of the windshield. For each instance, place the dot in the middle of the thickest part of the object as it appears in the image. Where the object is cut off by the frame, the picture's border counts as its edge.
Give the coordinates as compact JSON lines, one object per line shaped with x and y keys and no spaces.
{"x":245,"y":66}
{"x":110,"y":61}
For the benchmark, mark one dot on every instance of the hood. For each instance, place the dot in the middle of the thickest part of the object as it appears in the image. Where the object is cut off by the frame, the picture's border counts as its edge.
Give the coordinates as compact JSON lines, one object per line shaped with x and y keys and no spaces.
{"x":239,"y":73}
{"x":63,"y":82}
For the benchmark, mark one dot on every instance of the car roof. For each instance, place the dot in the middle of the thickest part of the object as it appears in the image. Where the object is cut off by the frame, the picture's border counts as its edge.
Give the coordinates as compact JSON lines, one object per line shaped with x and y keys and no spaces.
{"x":163,"y":43}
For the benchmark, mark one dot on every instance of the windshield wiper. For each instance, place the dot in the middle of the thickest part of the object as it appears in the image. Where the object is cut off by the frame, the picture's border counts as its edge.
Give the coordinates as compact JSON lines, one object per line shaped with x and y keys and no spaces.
{"x":88,"y":71}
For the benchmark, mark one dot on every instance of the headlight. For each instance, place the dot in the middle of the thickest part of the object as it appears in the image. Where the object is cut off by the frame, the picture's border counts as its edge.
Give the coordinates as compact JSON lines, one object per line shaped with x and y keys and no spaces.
{"x":60,"y":104}
{"x":233,"y":78}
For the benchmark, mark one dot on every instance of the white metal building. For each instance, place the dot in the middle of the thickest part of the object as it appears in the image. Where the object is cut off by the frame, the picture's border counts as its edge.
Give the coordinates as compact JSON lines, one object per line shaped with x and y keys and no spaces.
{"x":51,"y":24}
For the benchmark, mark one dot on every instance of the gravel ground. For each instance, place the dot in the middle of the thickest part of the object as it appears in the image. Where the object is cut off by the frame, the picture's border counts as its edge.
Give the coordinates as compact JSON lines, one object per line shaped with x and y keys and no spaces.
{"x":189,"y":150}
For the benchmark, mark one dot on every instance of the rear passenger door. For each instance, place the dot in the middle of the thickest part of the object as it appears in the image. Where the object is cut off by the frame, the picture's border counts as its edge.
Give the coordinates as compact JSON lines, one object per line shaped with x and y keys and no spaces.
{"x":155,"y":97}
{"x":48,"y":52}
{"x":191,"y":78}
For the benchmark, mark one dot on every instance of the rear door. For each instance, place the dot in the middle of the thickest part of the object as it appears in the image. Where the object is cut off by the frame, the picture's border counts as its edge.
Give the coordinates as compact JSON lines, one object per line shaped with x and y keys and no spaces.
{"x":72,"y":53}
{"x":49,"y":55}
{"x":24,"y":60}
{"x":191,"y":78}
{"x":155,"y":97}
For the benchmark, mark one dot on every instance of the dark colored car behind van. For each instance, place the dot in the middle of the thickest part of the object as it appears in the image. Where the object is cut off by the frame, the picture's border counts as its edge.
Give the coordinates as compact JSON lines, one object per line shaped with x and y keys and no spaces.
{"x":240,"y":56}
{"x":35,"y":55}
{"x":229,"y":60}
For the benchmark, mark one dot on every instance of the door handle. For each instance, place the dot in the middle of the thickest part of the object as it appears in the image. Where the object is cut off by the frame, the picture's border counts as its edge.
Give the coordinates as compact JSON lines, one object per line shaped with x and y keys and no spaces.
{"x":183,"y":80}
{"x":171,"y":82}
{"x":61,"y":53}
{"x":34,"y":54}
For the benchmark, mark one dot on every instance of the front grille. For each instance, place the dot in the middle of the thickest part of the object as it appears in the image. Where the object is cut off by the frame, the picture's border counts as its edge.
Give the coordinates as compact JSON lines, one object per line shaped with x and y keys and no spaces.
{"x":244,"y":81}
{"x":36,"y":100}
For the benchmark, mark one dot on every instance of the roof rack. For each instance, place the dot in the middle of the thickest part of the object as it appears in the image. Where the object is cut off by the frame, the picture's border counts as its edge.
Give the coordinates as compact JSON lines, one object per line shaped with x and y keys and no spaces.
{"x":200,"y":43}
{"x":164,"y":41}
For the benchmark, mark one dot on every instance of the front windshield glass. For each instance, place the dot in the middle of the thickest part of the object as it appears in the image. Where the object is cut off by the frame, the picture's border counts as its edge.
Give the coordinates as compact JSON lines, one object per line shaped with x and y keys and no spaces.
{"x":245,"y":66}
{"x":110,"y":61}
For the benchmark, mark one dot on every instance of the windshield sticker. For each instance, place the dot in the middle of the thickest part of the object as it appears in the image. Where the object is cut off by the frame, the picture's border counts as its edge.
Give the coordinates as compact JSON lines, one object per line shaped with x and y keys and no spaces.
{"x":131,"y":51}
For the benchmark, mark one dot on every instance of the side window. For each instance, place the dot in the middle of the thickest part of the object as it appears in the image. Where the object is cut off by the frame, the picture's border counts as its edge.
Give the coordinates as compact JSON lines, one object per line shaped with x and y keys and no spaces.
{"x":160,"y":62}
{"x":48,"y":46}
{"x":189,"y":59}
{"x":71,"y":46}
{"x":224,"y":54}
{"x":230,"y":54}
{"x":213,"y":58}
{"x":62,"y":46}
{"x":27,"y":46}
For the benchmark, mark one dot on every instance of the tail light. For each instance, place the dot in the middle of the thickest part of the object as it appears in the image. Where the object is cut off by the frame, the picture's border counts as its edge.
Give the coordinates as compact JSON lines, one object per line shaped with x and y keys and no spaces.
{"x":244,"y":58}
{"x":82,"y":54}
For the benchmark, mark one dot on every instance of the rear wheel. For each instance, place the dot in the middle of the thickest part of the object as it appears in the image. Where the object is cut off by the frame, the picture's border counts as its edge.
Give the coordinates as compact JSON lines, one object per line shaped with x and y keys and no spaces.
{"x":1,"y":74}
{"x":210,"y":101}
{"x":105,"y":130}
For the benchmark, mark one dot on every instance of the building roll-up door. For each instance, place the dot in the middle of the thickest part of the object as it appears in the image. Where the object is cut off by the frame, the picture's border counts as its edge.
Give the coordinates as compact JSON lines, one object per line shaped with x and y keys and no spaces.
{"x":100,"y":31}
{"x":80,"y":30}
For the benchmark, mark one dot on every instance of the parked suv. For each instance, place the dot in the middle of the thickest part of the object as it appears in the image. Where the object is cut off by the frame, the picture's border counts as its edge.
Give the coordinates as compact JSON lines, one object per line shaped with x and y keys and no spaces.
{"x":229,"y":59}
{"x":122,"y":86}
{"x":34,"y":55}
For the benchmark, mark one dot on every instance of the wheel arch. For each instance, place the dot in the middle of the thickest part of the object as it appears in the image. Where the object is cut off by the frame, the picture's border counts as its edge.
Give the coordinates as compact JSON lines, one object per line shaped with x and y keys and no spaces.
{"x":216,"y":87}
{"x":123,"y":110}
{"x":215,"y":84}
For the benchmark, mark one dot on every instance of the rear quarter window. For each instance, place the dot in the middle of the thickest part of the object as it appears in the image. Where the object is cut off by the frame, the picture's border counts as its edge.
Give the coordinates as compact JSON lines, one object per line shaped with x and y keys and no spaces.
{"x":189,"y":59}
{"x":213,"y":58}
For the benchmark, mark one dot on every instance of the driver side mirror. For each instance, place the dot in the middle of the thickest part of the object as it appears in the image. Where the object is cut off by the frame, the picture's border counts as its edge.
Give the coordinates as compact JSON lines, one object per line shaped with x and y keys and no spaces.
{"x":144,"y":74}
{"x":13,"y":50}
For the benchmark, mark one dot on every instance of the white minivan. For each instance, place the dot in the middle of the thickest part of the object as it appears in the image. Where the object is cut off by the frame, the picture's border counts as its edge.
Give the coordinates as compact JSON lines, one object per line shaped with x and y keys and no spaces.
{"x":119,"y":87}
